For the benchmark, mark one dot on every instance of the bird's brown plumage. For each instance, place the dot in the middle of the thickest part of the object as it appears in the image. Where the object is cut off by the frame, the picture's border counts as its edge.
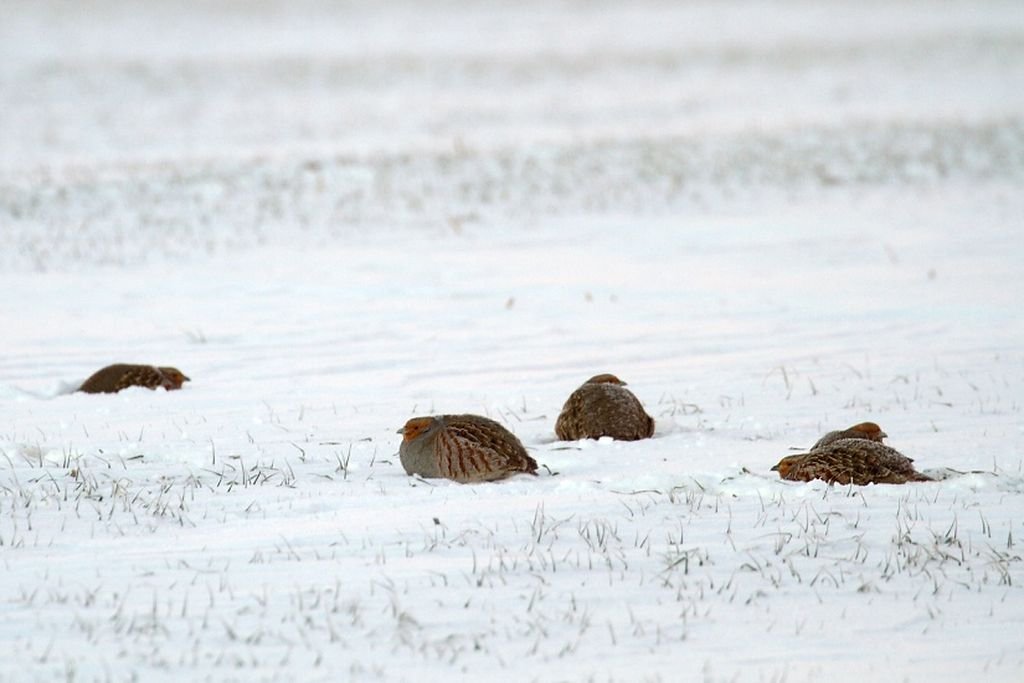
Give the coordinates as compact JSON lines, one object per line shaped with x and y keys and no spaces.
{"x":114,"y":378}
{"x":603,"y":406}
{"x":465,"y":448}
{"x":863,"y":430}
{"x":851,"y":461}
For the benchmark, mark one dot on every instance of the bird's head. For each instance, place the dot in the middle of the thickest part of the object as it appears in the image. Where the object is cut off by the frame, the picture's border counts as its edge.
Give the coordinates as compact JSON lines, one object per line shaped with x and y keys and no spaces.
{"x":605,"y":378}
{"x":173,"y":378}
{"x":867,"y":430}
{"x":786,"y":464}
{"x":418,"y":427}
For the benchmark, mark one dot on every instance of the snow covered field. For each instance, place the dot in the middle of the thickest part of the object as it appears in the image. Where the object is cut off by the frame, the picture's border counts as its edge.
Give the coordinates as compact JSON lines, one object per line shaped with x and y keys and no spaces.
{"x":771,"y":218}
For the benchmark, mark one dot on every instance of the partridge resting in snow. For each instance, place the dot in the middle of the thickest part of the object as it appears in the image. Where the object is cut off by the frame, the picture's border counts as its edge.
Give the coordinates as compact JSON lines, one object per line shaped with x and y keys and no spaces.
{"x":465,"y":448}
{"x":864,"y":430}
{"x":603,"y":406}
{"x":851,"y":461}
{"x":114,"y":378}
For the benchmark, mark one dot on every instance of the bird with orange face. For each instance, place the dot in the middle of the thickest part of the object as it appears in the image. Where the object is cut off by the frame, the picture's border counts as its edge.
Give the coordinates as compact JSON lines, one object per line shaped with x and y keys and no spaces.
{"x":464,"y":448}
{"x":114,"y":378}
{"x":863,"y":430}
{"x":851,"y":456}
{"x":603,"y":406}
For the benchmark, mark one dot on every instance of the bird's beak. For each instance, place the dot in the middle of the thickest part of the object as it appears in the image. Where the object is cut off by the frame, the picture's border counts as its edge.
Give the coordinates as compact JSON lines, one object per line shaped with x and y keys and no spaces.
{"x":775,"y":469}
{"x":186,"y":379}
{"x":883,"y":435}
{"x":401,"y":431}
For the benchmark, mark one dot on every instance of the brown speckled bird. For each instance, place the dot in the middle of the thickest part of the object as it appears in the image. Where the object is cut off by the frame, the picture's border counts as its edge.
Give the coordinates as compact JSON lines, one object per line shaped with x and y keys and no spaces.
{"x":851,"y":461}
{"x":864,"y":430}
{"x":114,"y":378}
{"x":465,"y":448}
{"x":603,"y":406}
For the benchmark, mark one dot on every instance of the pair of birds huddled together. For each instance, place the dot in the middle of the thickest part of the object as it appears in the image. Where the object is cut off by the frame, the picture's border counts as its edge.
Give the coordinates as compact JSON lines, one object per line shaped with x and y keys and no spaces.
{"x":472,"y":448}
{"x":851,"y":456}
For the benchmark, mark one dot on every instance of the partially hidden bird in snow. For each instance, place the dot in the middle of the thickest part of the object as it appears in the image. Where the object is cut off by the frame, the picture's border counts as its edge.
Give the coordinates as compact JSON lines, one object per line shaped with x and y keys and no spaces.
{"x":114,"y":378}
{"x":603,"y":406}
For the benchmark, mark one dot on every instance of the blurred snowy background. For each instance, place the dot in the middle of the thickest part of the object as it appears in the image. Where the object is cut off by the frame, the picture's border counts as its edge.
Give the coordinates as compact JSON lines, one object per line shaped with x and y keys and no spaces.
{"x":131,"y":133}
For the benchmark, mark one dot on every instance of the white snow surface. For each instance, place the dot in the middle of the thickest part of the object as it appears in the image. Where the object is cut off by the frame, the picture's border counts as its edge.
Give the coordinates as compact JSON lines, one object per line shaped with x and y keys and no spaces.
{"x":771,"y":218}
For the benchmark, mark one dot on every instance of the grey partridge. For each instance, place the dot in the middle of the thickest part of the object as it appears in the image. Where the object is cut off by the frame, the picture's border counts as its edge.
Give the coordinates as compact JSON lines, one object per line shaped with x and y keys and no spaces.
{"x":864,"y":430}
{"x":851,"y":461}
{"x":114,"y":378}
{"x":465,"y":448}
{"x":603,"y":406}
